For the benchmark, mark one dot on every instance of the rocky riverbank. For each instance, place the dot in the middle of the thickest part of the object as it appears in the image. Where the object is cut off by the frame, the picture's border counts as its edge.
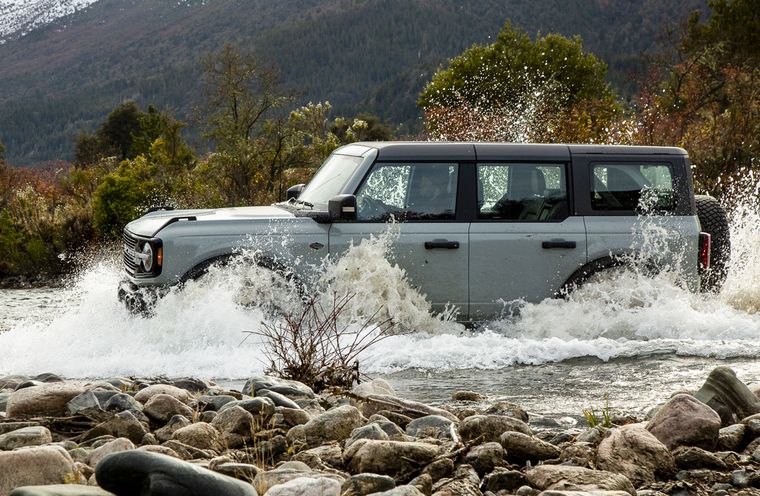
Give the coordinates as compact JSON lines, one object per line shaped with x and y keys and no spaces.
{"x":187,"y":436}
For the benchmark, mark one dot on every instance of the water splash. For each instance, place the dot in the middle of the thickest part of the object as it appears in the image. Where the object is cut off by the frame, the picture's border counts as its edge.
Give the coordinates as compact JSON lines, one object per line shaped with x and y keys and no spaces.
{"x":381,"y":287}
{"x":200,"y":329}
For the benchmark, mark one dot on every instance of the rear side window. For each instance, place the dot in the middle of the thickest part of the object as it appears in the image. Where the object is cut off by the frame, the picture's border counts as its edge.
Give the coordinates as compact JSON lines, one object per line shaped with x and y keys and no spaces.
{"x":527,"y":192}
{"x":641,"y":187}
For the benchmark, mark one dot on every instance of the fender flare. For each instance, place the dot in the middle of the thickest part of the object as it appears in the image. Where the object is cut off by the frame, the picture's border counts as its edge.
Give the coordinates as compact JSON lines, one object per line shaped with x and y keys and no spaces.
{"x":264,"y":261}
{"x":582,"y":274}
{"x":646,"y":266}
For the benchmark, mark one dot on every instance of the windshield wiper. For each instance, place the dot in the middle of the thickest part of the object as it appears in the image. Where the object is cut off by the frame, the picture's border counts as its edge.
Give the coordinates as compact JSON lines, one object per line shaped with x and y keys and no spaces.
{"x":305,"y":203}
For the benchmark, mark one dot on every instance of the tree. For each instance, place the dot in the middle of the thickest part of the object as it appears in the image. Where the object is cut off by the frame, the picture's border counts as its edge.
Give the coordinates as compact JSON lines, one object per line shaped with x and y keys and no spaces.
{"x":710,"y":102}
{"x":124,"y":127}
{"x":123,"y":195}
{"x":240,"y":95}
{"x":516,"y":89}
{"x":371,"y":129}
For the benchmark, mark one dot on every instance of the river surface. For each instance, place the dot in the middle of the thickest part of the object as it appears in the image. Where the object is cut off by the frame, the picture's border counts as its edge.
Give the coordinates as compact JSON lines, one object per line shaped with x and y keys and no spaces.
{"x":637,"y":339}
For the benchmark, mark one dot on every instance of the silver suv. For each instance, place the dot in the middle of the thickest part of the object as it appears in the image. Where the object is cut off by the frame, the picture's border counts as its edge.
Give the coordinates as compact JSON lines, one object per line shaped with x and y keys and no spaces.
{"x":479,"y":223}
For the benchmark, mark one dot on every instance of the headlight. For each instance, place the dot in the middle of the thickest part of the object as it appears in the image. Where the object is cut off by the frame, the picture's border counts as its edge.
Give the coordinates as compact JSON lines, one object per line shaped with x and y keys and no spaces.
{"x":146,"y":257}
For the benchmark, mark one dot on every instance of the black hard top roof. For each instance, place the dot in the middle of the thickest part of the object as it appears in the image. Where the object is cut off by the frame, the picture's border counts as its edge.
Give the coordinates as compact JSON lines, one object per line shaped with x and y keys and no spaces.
{"x":467,"y":151}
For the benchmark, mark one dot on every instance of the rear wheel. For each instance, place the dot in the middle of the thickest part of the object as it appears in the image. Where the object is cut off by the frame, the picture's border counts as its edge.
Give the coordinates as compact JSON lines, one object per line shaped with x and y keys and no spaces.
{"x":714,"y":221}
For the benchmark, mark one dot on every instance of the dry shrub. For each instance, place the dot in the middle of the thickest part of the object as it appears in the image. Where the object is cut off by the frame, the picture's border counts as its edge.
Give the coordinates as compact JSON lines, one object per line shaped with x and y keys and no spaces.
{"x":316,"y":348}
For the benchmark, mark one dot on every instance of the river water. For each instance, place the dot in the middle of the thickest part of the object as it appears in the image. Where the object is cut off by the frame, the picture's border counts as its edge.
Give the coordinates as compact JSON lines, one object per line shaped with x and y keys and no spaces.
{"x":636,"y":339}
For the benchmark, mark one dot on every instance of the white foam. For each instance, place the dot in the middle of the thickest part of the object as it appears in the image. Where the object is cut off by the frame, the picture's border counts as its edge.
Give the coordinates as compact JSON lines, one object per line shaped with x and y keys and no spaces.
{"x":201,"y":330}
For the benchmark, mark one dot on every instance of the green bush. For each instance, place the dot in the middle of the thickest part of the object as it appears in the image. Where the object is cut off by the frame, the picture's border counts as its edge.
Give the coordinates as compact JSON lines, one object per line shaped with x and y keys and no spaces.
{"x":122,"y":196}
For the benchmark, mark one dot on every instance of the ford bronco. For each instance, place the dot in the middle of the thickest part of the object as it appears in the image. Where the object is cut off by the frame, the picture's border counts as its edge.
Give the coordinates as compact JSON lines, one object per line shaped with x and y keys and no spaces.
{"x":479,"y":223}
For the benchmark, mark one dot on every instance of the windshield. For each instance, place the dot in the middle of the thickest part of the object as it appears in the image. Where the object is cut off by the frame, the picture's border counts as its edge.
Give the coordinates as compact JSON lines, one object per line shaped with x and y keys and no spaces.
{"x":330,"y":179}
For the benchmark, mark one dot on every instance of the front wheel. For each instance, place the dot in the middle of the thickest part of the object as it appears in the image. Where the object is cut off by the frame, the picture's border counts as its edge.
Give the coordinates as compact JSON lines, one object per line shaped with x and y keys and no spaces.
{"x":714,"y":221}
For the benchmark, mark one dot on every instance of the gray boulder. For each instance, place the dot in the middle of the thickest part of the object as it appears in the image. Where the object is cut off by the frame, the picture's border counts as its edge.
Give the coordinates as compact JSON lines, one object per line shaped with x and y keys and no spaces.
{"x":115,"y":446}
{"x":633,"y":451}
{"x":691,"y":457}
{"x":579,"y":453}
{"x":369,"y":431}
{"x":162,"y":407}
{"x":123,"y":424}
{"x":141,"y":472}
{"x":86,"y":403}
{"x":174,"y":424}
{"x":468,"y":396}
{"x":396,"y":459}
{"x":490,"y":427}
{"x":464,"y":483}
{"x":731,"y":438}
{"x":423,"y":483}
{"x":11,"y":381}
{"x":261,"y":408}
{"x":594,"y":493}
{"x":236,"y":426}
{"x":507,"y":409}
{"x":502,"y":479}
{"x":407,"y":490}
{"x":728,"y":396}
{"x":307,"y":486}
{"x":592,"y":436}
{"x":277,"y":398}
{"x":521,"y":448}
{"x":293,"y":416}
{"x":442,"y":468}
{"x":120,"y":402}
{"x":26,"y":436}
{"x":381,"y":403}
{"x":60,"y":490}
{"x":563,"y":477}
{"x":375,"y":386}
{"x":34,"y":466}
{"x":193,"y":384}
{"x":336,"y":424}
{"x":200,"y":435}
{"x":485,"y":457}
{"x":686,"y":421}
{"x":29,"y":383}
{"x":395,"y":433}
{"x":215,"y":402}
{"x":266,"y":480}
{"x":144,"y":395}
{"x":46,"y":400}
{"x":48,"y":377}
{"x":363,"y":484}
{"x":290,"y":389}
{"x":434,"y":426}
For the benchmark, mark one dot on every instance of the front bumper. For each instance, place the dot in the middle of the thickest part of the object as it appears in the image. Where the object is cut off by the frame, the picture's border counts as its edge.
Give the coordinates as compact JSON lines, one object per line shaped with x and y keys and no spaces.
{"x":139,"y":300}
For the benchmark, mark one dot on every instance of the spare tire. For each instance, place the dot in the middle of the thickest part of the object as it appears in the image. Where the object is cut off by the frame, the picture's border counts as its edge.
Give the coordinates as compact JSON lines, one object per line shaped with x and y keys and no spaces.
{"x":714,"y":221}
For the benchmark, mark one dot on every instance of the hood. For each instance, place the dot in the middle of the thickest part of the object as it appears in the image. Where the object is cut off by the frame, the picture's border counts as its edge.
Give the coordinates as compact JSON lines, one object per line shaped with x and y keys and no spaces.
{"x":150,"y":224}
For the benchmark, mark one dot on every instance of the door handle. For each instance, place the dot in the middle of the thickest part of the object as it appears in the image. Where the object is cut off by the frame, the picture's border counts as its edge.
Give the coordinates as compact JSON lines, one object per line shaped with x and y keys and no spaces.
{"x":441,"y":243}
{"x":557,"y":243}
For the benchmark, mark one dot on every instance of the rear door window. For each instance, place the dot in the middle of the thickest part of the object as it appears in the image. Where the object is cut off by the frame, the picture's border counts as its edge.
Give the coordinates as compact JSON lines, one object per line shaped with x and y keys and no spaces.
{"x":526,"y":192}
{"x":638,"y":187}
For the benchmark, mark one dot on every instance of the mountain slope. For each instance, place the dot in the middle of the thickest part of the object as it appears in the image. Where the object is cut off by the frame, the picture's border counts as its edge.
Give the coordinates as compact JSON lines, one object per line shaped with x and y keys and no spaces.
{"x":362,"y":55}
{"x":19,"y":17}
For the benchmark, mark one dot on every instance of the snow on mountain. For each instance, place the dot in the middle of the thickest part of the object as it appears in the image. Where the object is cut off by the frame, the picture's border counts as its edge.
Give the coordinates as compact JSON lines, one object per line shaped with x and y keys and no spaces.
{"x":19,"y":17}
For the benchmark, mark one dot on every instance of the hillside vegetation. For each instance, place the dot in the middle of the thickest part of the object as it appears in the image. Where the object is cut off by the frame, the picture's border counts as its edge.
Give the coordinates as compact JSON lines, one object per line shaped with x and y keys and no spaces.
{"x":361,"y":55}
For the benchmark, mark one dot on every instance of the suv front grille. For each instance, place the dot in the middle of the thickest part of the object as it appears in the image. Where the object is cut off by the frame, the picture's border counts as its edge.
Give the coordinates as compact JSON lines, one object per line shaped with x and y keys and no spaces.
{"x":130,"y":246}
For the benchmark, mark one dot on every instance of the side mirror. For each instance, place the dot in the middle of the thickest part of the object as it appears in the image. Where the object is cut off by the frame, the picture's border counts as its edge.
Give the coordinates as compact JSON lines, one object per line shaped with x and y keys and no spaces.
{"x":294,"y":191}
{"x":342,"y":207}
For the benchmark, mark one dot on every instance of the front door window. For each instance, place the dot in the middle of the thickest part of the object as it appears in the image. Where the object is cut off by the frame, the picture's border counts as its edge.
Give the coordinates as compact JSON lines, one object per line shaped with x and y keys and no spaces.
{"x":421,"y":191}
